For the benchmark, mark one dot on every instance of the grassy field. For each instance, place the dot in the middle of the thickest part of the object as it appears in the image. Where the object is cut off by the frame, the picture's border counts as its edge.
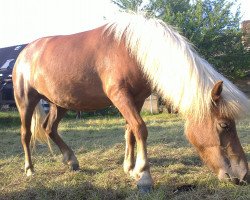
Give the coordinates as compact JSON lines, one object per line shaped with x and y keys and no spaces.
{"x":99,"y":145}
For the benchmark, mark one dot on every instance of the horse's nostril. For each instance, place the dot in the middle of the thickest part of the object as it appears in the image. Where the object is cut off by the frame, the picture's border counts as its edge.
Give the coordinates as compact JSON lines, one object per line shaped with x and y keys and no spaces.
{"x":235,"y":181}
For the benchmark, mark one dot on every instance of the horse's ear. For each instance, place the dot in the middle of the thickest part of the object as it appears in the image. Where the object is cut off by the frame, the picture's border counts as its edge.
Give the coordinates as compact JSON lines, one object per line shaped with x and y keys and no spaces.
{"x":216,"y":91}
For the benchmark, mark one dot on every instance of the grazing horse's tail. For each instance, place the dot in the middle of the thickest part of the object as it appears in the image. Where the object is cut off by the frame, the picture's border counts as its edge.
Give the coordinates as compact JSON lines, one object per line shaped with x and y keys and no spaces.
{"x":37,"y":129}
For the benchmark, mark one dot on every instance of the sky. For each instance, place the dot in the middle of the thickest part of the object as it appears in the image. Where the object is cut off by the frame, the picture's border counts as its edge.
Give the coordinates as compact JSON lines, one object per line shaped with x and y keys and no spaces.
{"x":22,"y":21}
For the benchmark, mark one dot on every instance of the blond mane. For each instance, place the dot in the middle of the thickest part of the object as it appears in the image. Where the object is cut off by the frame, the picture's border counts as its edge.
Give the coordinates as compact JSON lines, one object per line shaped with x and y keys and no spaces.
{"x":174,"y":68}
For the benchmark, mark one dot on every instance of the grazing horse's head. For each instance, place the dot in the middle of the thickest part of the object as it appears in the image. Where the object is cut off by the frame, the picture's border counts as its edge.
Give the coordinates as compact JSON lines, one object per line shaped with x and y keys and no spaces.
{"x":216,"y":140}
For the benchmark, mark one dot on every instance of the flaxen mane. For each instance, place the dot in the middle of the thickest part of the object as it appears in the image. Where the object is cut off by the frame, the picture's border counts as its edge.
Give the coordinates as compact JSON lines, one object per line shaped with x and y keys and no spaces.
{"x":174,"y":67}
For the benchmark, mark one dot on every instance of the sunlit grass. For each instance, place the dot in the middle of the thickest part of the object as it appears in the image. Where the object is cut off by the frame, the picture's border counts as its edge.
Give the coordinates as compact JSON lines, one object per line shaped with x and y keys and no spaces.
{"x":99,"y":146}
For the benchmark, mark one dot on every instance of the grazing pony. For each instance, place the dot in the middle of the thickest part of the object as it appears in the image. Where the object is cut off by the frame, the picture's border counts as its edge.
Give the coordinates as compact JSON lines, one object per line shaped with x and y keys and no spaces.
{"x":121,"y":63}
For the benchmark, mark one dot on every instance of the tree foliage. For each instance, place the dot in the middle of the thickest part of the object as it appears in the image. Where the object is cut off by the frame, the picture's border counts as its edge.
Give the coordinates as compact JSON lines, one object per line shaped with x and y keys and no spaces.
{"x":209,"y":24}
{"x":133,"y":5}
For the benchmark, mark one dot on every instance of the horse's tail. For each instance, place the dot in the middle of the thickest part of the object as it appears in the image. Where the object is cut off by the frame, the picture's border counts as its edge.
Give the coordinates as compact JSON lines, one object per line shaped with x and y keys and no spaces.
{"x":37,"y":130}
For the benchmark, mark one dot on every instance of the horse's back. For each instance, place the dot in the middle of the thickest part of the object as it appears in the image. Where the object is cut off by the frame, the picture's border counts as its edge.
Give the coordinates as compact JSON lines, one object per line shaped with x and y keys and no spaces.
{"x":76,"y":71}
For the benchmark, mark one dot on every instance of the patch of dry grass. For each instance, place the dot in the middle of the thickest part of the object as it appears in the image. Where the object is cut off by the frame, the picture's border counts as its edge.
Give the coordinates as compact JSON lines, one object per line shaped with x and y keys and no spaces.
{"x":99,"y":146}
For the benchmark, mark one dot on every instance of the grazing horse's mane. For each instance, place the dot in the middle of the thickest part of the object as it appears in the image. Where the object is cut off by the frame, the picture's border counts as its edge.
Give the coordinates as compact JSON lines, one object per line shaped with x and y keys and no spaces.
{"x":174,"y":68}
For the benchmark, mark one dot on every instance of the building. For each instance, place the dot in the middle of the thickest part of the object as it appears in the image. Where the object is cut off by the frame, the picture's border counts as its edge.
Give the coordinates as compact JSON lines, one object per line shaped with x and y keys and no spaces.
{"x":8,"y":58}
{"x":151,"y":104}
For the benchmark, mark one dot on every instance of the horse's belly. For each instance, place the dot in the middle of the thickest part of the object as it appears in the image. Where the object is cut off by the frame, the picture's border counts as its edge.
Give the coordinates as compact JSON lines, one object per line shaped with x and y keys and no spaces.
{"x":79,"y":99}
{"x":90,"y":103}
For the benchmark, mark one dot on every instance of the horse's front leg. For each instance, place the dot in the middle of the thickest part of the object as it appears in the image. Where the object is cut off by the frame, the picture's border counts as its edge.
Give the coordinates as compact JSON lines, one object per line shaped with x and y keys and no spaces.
{"x":141,"y":171}
{"x":126,"y":105}
{"x":129,"y":160}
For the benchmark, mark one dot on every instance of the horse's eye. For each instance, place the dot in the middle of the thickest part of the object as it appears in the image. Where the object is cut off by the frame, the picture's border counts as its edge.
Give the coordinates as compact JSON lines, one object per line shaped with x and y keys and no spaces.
{"x":224,"y":125}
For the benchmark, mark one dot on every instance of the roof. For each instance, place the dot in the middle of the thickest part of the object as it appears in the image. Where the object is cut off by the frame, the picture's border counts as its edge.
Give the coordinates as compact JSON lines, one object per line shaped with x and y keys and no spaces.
{"x":8,"y":56}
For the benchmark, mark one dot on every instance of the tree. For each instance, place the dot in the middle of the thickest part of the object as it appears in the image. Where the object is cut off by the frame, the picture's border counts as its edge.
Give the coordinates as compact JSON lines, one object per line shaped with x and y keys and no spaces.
{"x":132,"y":5}
{"x":210,"y":25}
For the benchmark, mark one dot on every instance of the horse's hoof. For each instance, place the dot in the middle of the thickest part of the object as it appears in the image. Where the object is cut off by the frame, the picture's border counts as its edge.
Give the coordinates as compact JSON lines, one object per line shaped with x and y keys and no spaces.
{"x":74,"y":167}
{"x":144,"y":189}
{"x":145,"y":183}
{"x":29,"y":172}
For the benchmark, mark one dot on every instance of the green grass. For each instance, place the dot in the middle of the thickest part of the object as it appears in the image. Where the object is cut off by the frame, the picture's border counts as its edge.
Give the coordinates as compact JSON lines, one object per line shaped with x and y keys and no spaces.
{"x":99,"y":146}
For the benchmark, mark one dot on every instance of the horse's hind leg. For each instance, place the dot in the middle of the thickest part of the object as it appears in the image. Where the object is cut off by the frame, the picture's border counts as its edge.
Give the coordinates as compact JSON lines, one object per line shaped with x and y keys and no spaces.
{"x":50,"y":125}
{"x":26,"y":103}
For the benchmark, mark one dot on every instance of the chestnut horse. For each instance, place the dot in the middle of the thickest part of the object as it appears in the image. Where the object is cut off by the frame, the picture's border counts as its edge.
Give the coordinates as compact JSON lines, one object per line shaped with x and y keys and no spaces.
{"x":120,"y":63}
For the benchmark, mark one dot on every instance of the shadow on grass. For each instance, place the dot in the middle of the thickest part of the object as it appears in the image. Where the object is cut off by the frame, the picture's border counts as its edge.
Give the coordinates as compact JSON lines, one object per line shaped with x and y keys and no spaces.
{"x":87,"y":140}
{"x":104,"y":138}
{"x":192,"y":160}
{"x":84,"y":190}
{"x":9,"y":119}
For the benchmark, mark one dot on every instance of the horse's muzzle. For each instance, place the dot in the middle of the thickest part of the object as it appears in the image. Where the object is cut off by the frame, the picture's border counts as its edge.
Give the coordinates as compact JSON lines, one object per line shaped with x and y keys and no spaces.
{"x":237,"y":174}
